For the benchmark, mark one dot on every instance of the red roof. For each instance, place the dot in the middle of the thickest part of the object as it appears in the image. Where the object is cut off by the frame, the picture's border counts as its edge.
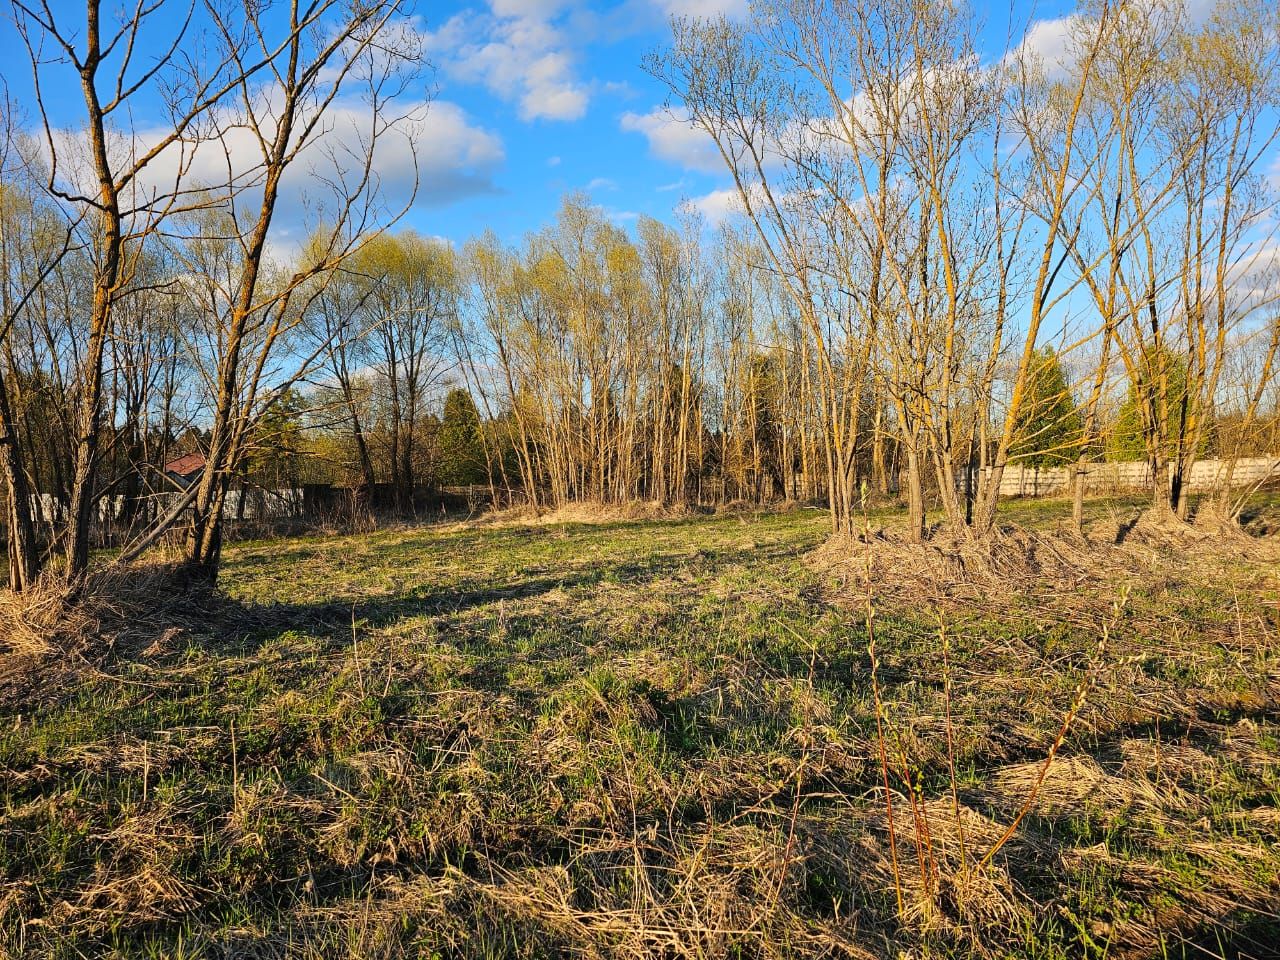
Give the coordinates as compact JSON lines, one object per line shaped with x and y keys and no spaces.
{"x":185,"y":466}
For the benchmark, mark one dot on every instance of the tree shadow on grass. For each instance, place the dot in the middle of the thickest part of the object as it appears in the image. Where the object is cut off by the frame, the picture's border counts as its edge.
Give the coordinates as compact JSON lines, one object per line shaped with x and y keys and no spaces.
{"x":1239,"y":934}
{"x":168,"y":622}
{"x":243,"y":626}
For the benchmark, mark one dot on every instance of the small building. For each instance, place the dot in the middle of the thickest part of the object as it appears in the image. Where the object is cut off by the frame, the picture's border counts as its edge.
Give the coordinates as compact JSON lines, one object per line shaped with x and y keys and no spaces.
{"x":185,"y":470}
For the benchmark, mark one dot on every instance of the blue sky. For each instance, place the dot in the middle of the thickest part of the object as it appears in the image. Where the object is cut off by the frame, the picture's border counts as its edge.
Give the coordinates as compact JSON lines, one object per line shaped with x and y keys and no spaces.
{"x":534,"y":99}
{"x":560,"y":90}
{"x":559,"y":87}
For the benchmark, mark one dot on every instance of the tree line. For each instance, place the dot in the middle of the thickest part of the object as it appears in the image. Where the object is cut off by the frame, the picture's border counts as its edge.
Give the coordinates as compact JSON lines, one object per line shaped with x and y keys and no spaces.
{"x":594,"y":364}
{"x":935,"y":219}
{"x":941,"y":266}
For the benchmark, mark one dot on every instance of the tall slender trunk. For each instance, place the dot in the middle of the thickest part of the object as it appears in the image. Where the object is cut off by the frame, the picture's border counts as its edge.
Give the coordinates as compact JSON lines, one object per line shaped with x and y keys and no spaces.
{"x":878,"y":462}
{"x":915,"y":493}
{"x":204,"y":542}
{"x":105,"y":283}
{"x":24,"y":548}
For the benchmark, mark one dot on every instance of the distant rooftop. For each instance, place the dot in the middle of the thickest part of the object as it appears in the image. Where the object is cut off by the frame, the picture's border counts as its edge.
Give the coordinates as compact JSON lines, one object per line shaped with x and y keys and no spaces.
{"x":186,"y":466}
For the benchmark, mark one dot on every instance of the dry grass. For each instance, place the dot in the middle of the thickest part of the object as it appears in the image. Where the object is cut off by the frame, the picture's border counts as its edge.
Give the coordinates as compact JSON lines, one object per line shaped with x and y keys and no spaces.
{"x":590,"y":513}
{"x":53,"y":631}
{"x":1018,"y":559}
{"x":630,"y":739}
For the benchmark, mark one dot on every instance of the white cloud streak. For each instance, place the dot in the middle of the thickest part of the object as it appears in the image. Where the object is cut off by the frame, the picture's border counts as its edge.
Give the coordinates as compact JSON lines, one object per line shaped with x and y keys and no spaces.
{"x":674,"y":138}
{"x":453,"y":158}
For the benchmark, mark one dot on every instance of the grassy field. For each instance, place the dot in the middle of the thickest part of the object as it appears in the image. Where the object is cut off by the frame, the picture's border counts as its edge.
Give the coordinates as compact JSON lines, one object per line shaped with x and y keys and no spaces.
{"x":657,"y":738}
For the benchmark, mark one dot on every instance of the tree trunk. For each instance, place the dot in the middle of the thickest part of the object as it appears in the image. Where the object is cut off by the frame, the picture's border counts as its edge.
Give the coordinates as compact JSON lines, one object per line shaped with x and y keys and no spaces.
{"x":24,"y":549}
{"x":915,"y":493}
{"x":106,"y":281}
{"x":1077,"y":496}
{"x":84,"y":479}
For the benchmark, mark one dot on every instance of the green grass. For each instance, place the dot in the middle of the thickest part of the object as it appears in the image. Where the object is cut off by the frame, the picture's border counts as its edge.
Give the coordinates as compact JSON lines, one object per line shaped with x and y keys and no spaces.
{"x":646,"y":738}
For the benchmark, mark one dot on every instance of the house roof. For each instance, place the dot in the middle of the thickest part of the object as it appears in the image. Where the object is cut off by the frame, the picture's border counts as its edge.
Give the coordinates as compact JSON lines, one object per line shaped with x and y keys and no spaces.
{"x":185,"y":466}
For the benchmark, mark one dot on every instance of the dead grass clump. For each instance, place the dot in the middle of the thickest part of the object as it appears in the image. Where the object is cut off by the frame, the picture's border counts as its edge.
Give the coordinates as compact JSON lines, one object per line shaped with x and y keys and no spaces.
{"x":1015,"y":559}
{"x":948,"y":889}
{"x":589,"y":512}
{"x":701,"y":894}
{"x":719,"y":890}
{"x":137,"y":875}
{"x":1166,"y":531}
{"x":1073,"y":783}
{"x":55,"y":627}
{"x":33,"y":623}
{"x":1009,"y":559}
{"x":1211,"y":532}
{"x":1175,"y":762}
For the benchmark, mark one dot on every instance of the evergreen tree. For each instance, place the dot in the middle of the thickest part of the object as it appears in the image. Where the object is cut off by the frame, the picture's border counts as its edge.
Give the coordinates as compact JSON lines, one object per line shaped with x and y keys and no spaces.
{"x":1049,"y":427}
{"x":461,"y":447}
{"x":1127,"y":439}
{"x":278,"y":453}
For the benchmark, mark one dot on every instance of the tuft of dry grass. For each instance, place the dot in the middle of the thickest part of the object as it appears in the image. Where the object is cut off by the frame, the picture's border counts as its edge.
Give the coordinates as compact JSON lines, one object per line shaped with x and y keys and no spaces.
{"x":54,"y":630}
{"x":1010,"y":560}
{"x":585,"y":512}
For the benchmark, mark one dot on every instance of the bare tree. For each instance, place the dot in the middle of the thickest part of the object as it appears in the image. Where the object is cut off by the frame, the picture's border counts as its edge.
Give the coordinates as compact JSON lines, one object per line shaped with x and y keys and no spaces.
{"x":120,"y":205}
{"x":326,"y":49}
{"x":33,"y":243}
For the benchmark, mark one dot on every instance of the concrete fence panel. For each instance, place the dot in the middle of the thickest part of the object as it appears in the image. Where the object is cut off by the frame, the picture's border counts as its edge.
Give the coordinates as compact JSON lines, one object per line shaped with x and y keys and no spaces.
{"x":1027,"y":481}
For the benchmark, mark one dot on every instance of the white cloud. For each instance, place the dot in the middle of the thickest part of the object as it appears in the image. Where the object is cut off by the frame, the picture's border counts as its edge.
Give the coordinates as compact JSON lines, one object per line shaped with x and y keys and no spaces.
{"x":672,"y":137}
{"x":702,"y":8}
{"x":619,"y":88}
{"x":1051,"y":44}
{"x":1254,"y":274}
{"x":455,"y":156}
{"x":1199,"y":11}
{"x":601,"y":183}
{"x":537,"y":9}
{"x":717,"y":206}
{"x":525,"y":51}
{"x":1048,"y":45}
{"x":517,"y":52}
{"x":453,"y":159}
